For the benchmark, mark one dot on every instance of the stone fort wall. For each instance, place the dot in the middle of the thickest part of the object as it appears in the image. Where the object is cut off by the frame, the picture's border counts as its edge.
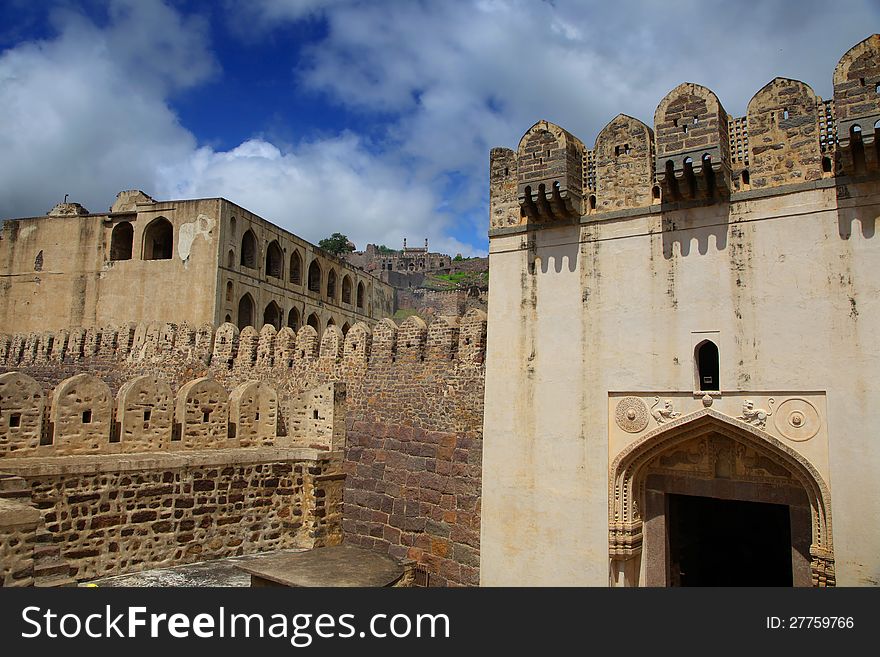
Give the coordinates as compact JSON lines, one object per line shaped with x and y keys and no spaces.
{"x":411,"y":433}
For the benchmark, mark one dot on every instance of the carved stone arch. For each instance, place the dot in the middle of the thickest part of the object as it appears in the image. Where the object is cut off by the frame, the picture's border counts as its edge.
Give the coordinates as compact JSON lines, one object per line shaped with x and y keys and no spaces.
{"x":628,"y":472}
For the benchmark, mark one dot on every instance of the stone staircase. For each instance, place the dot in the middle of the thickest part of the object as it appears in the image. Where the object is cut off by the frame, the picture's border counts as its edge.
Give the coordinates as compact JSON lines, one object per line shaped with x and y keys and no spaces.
{"x":50,"y":568}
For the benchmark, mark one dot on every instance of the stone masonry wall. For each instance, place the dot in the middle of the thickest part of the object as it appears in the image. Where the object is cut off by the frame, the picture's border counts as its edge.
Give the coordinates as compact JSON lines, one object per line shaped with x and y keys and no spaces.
{"x":414,"y":400}
{"x":112,"y":516}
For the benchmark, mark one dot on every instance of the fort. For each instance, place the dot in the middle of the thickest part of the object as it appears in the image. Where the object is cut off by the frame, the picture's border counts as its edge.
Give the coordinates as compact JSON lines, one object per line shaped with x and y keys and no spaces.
{"x":678,"y":377}
{"x":198,"y":444}
{"x":673,"y":384}
{"x":202,"y":261}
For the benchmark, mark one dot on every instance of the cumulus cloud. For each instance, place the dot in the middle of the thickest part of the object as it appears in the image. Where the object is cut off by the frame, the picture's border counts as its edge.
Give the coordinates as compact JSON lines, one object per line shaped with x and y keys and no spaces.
{"x":461,"y":76}
{"x":317,"y":188}
{"x":88,"y":113}
{"x":434,"y":84}
{"x":85,"y":113}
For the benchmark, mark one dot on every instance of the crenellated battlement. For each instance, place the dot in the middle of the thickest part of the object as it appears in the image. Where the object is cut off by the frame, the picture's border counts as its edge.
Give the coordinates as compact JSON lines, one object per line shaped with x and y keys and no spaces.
{"x":227,"y":348}
{"x":696,"y":153}
{"x":81,"y":416}
{"x":260,"y":430}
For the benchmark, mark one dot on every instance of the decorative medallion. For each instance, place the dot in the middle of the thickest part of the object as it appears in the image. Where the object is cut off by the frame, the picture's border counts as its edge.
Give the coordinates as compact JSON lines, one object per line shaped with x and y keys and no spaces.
{"x":797,"y":419}
{"x":631,"y":414}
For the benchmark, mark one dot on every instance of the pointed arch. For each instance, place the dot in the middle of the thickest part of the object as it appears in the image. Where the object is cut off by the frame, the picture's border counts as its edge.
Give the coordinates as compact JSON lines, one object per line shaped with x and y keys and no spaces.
{"x":158,"y":243}
{"x":315,"y":323}
{"x":293,"y":319}
{"x":273,"y":315}
{"x":331,"y":284}
{"x":121,"y":241}
{"x":246,"y":311}
{"x":707,"y":366}
{"x":315,"y":276}
{"x":630,"y":467}
{"x":249,"y":250}
{"x":296,"y":267}
{"x":274,"y":260}
{"x":360,"y":295}
{"x":346,"y":289}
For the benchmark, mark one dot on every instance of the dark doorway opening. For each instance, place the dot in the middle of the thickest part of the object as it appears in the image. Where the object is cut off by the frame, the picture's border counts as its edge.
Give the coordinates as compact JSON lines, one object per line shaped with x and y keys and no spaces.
{"x":716,"y":542}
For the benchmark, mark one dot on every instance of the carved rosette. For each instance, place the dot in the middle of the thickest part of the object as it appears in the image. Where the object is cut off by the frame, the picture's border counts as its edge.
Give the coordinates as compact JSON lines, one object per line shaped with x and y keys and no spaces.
{"x":631,"y":414}
{"x":797,"y":419}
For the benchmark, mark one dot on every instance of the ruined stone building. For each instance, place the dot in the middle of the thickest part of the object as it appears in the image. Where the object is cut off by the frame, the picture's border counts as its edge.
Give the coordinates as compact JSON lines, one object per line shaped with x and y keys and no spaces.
{"x":407,"y":259}
{"x":675,"y":383}
{"x":202,"y":261}
{"x":682,"y":364}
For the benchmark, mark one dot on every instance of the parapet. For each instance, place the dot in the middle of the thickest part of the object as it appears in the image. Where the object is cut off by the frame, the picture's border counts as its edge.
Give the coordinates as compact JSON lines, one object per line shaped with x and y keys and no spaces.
{"x":696,"y":153}
{"x":317,"y":417}
{"x":857,"y":103}
{"x":146,"y":417}
{"x":66,"y":209}
{"x":128,"y":200}
{"x":550,"y":171}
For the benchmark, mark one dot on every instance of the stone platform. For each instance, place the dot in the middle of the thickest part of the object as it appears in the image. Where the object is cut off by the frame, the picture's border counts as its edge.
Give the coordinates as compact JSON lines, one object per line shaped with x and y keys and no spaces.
{"x":339,"y":565}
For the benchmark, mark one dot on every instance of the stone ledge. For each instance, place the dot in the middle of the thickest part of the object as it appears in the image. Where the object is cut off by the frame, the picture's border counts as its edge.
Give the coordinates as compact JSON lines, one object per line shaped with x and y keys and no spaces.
{"x":101,"y":463}
{"x":17,"y":514}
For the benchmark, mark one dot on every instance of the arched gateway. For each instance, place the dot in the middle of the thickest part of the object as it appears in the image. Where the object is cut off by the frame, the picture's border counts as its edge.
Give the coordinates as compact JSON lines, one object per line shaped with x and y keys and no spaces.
{"x":717,"y":465}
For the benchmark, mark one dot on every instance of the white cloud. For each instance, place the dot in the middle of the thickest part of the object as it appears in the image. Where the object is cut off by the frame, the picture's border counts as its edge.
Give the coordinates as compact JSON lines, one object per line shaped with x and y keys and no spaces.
{"x":87,"y":113}
{"x":316,"y":189}
{"x":461,"y":76}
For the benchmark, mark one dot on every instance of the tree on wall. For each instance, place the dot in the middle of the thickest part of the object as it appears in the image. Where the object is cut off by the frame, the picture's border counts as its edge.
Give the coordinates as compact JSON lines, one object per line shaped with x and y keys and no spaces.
{"x":337,"y":244}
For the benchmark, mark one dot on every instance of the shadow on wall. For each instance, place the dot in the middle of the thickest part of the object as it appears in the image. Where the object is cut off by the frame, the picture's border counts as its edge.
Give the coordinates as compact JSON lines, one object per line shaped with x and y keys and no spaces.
{"x":685,"y":230}
{"x":560,"y":257}
{"x":864,"y":216}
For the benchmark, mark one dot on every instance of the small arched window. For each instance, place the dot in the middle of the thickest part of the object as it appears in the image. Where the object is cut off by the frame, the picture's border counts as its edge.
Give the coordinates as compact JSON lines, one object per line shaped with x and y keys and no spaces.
{"x":360,"y":295}
{"x":121,"y":240}
{"x":159,"y":240}
{"x":331,"y":284}
{"x":346,"y":289}
{"x":296,"y":268}
{"x":293,"y":319}
{"x":345,"y":328}
{"x":272,"y":315}
{"x":315,"y":277}
{"x":707,"y":365}
{"x":229,"y":290}
{"x":313,"y":322}
{"x":245,"y":311}
{"x":274,"y":259}
{"x":745,"y":177}
{"x":249,"y":250}
{"x":232,"y":229}
{"x":230,"y":259}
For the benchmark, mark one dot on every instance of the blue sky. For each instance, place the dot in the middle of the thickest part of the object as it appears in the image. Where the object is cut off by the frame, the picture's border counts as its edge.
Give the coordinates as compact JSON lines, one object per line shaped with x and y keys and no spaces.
{"x":374,"y":119}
